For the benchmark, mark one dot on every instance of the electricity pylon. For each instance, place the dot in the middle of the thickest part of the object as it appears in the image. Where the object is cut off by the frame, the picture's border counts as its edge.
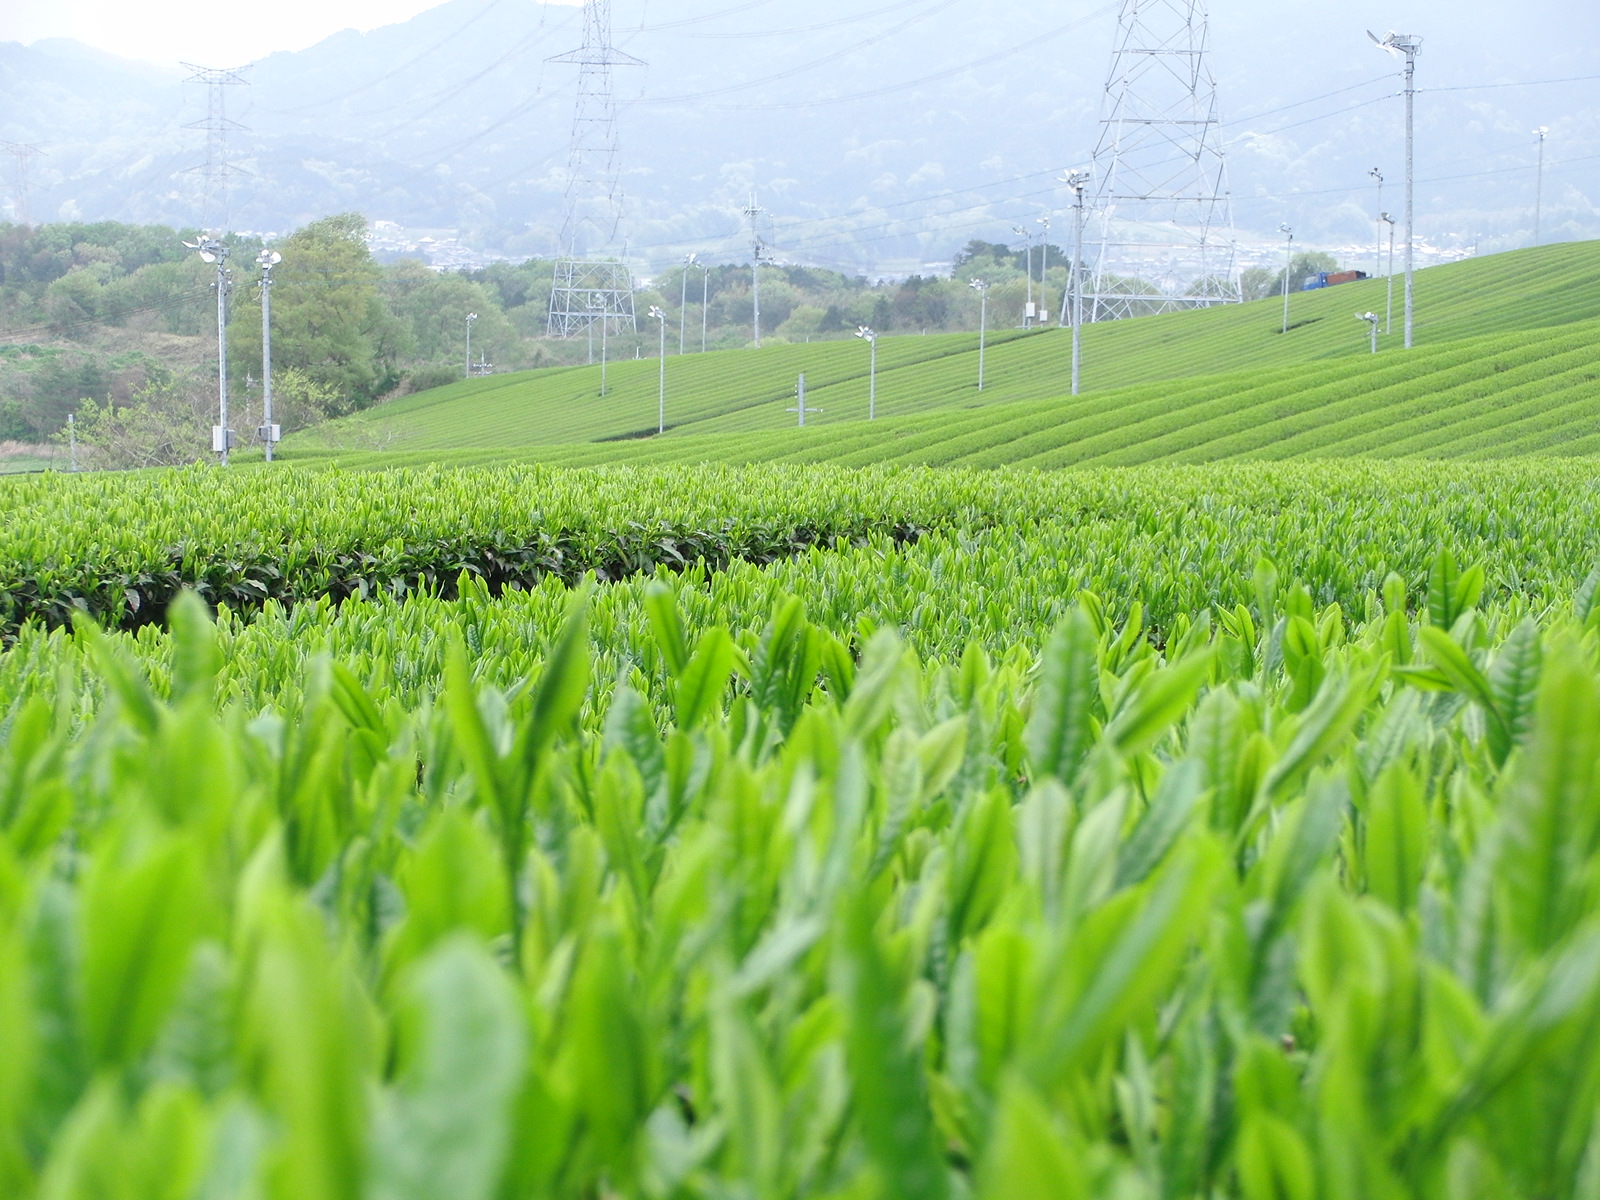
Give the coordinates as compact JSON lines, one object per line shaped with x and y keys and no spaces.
{"x":22,"y":155}
{"x":1165,"y":218}
{"x":592,"y":283}
{"x":217,"y":173}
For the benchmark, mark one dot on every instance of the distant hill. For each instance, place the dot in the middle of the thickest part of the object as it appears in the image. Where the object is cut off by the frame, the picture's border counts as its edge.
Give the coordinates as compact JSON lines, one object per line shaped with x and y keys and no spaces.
{"x":848,"y":120}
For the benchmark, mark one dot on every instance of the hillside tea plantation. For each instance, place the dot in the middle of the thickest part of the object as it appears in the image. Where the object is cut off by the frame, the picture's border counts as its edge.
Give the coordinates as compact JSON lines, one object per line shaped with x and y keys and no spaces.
{"x":514,"y":833}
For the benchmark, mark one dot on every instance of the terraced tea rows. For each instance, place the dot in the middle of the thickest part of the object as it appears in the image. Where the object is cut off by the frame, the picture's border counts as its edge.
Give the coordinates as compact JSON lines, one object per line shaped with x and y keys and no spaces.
{"x":1510,"y":394}
{"x":744,"y":390}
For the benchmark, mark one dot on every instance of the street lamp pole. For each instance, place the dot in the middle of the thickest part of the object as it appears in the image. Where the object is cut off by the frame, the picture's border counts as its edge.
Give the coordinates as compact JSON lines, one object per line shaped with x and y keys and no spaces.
{"x":683,"y":301}
{"x":213,"y":251}
{"x":1044,"y":264}
{"x":268,"y":432}
{"x":1027,"y":243}
{"x":1407,"y":46}
{"x":705,"y":301}
{"x":982,"y":288}
{"x":865,"y":332}
{"x":1288,"y":268}
{"x":655,"y":311}
{"x":1077,"y":181}
{"x":1388,"y":323}
{"x":1378,"y":175}
{"x":1538,"y":197}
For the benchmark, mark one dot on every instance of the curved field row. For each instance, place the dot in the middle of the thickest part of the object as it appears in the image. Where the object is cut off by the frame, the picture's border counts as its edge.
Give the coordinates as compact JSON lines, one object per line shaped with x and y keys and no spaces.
{"x":1520,"y":393}
{"x":746,"y":392}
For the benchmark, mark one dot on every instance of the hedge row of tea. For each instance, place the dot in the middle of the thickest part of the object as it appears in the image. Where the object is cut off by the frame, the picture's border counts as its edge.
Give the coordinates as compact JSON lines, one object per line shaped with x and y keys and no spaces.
{"x":1288,"y":901}
{"x":120,"y":547}
{"x":1073,"y":849}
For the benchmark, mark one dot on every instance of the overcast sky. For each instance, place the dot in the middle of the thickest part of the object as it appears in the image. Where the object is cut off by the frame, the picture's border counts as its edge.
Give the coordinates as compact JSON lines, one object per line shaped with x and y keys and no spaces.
{"x":199,"y":31}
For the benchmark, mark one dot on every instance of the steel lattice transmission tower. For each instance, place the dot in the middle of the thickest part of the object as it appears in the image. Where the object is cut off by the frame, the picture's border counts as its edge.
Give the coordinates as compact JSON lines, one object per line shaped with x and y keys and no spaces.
{"x":22,"y":155}
{"x":592,"y":283}
{"x":217,"y":172}
{"x":1165,"y":218}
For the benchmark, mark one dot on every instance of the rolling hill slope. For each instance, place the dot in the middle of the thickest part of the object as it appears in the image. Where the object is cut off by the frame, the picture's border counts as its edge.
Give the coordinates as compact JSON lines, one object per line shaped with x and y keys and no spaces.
{"x":747,"y":392}
{"x":1535,"y":392}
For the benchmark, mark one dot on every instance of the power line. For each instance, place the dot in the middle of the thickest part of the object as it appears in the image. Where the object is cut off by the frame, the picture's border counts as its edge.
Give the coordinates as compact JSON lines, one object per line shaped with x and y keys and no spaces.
{"x":988,"y":60}
{"x":1483,"y":87}
{"x":804,"y":67}
{"x":396,"y":70}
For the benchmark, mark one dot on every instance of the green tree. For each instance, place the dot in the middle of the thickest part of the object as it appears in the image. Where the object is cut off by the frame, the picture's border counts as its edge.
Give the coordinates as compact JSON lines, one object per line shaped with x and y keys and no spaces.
{"x":1258,"y":283}
{"x":329,"y":318}
{"x":167,"y":424}
{"x":433,"y":308}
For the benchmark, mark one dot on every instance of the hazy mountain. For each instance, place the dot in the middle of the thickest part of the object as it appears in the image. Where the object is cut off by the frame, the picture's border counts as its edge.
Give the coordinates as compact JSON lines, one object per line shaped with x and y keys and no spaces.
{"x":880,"y":138}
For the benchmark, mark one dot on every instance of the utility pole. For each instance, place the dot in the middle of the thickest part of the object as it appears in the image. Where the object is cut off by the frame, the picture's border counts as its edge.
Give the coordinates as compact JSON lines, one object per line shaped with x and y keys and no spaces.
{"x":802,"y":409}
{"x":1378,"y":175}
{"x":269,"y":433}
{"x":1077,"y":181}
{"x":471,"y":317}
{"x":982,"y":288}
{"x":753,"y":212}
{"x":22,"y":155}
{"x":1044,"y":264}
{"x":1388,"y":323}
{"x":597,"y":304}
{"x":72,"y":442}
{"x":1288,"y":268}
{"x":1407,"y":46}
{"x":683,"y":301}
{"x":1538,"y":197}
{"x":213,"y":251}
{"x":705,"y":302}
{"x":866,"y":334}
{"x":655,"y":311}
{"x":1027,"y":243}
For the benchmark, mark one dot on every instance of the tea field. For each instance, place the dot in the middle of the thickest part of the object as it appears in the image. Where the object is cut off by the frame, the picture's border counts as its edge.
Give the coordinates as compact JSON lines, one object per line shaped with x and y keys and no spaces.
{"x":788,"y":831}
{"x":1533,"y":292}
{"x":1497,"y":396}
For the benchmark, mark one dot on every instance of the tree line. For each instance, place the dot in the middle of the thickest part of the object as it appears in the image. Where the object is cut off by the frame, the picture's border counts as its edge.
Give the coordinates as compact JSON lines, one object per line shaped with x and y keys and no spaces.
{"x":115,"y":323}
